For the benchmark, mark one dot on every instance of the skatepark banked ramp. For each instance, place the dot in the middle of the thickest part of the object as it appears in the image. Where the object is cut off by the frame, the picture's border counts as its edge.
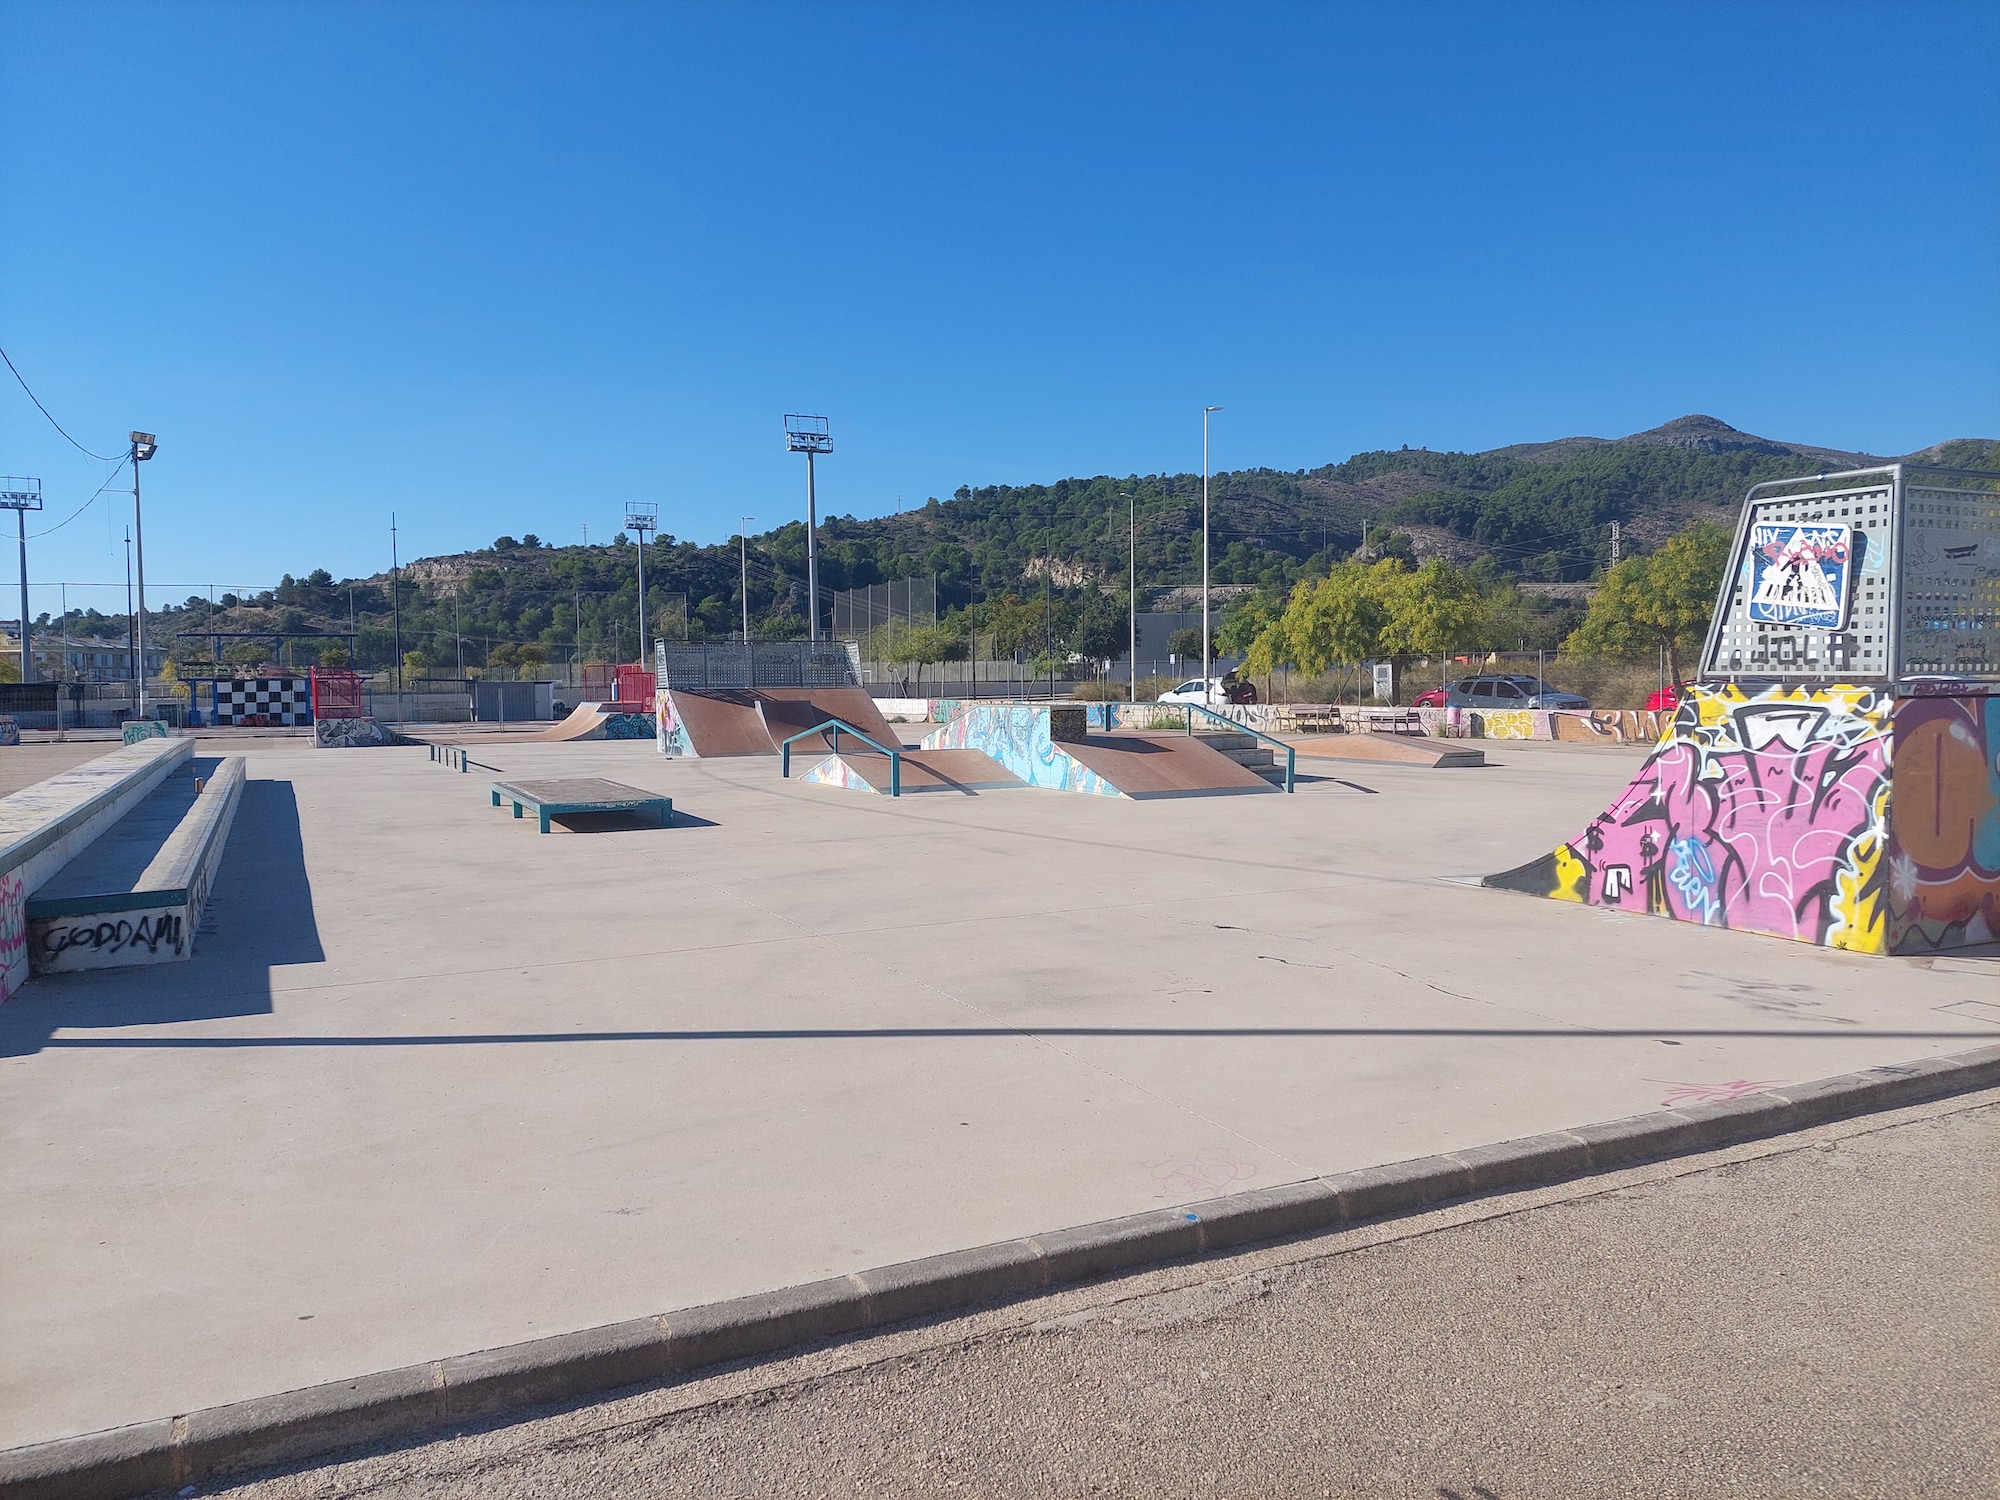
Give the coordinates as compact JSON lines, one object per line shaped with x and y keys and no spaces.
{"x":1023,"y":739}
{"x":1788,"y":798}
{"x":718,"y":722}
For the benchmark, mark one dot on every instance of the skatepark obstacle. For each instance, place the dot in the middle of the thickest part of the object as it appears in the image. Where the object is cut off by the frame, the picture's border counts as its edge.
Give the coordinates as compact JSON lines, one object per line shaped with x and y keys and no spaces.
{"x":836,"y":727}
{"x":590,"y":794}
{"x":1834,"y":777}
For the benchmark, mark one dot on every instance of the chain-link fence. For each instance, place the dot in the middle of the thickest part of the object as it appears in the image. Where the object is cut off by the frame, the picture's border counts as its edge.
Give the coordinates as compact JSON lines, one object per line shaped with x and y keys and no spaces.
{"x":908,"y":601}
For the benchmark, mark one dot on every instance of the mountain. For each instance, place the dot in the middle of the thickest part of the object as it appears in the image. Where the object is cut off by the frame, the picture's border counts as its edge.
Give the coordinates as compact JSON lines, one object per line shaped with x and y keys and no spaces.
{"x":1538,"y":512}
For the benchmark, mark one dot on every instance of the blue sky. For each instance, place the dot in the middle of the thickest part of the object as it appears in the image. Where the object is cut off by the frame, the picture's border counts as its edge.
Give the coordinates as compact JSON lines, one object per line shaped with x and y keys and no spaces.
{"x":501,"y":268}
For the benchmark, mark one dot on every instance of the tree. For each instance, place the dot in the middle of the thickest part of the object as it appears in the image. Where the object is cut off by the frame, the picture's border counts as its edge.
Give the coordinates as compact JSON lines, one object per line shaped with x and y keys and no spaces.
{"x":1185,"y":644}
{"x":416,"y":663}
{"x":1432,"y":612}
{"x":1657,"y":602}
{"x":333,"y":657}
{"x":1338,"y":619}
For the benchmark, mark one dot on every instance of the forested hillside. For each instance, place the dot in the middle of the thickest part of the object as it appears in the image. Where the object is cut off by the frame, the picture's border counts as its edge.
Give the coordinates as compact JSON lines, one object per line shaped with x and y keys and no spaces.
{"x":1535,"y":512}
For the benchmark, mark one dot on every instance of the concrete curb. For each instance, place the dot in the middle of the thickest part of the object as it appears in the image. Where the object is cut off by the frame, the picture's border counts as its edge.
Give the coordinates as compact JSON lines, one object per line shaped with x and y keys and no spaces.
{"x":175,"y":1451}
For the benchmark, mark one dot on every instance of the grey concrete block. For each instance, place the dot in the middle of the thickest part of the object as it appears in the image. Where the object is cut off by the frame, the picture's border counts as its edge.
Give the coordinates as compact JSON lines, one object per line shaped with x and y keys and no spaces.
{"x":518,"y":1376}
{"x":96,"y":1466}
{"x":317,"y":1419}
{"x":1268,"y":1213}
{"x":1728,"y":1121}
{"x":939,"y":1283}
{"x":749,"y":1326}
{"x":1400,"y":1187}
{"x":1527,"y":1162}
{"x":1120,"y":1244}
{"x":1637,"y":1138}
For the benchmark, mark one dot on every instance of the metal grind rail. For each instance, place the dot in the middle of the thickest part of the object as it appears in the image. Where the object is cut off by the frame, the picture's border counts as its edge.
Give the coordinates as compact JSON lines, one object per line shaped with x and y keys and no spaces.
{"x":837,"y":726}
{"x":1229,"y":724}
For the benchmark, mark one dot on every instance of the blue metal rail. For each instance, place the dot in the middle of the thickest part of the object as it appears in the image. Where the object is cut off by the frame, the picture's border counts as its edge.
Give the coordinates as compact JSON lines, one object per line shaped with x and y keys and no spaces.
{"x":1291,"y":753}
{"x":838,"y":726}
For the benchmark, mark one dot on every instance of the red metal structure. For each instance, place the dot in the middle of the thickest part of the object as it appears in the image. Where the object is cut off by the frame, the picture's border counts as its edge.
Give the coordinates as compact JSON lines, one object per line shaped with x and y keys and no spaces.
{"x":338,"y":694}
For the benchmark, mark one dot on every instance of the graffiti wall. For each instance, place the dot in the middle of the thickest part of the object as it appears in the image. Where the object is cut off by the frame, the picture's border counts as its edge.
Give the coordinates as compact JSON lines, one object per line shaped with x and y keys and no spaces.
{"x":1765,"y":812}
{"x":835,"y":771}
{"x":13,"y":935}
{"x":669,"y":733}
{"x":1944,"y":846}
{"x":1017,"y":736}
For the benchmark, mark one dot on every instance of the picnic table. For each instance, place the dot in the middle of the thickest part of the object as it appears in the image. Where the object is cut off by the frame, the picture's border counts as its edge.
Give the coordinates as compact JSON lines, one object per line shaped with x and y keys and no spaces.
{"x":588,"y":794}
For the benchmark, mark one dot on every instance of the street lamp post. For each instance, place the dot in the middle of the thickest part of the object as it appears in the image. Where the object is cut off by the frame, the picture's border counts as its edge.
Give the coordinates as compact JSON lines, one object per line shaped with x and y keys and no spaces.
{"x":143,"y":447}
{"x":743,"y":543}
{"x":642,"y":516}
{"x":1132,"y":591}
{"x":21,"y":496}
{"x":809,"y":435}
{"x":1204,"y":549}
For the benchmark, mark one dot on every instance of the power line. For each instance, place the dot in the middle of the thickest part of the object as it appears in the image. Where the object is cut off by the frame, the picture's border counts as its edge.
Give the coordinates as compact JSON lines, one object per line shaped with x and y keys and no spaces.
{"x":104,"y":458}
{"x":81,"y":508}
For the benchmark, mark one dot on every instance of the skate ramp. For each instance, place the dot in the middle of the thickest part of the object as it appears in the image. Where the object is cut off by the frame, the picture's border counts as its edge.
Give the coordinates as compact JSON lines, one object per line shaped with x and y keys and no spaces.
{"x":1390,"y":749}
{"x":1837,"y":816}
{"x":722,"y":722}
{"x":1016,"y":736}
{"x":963,"y":771}
{"x":601,"y":721}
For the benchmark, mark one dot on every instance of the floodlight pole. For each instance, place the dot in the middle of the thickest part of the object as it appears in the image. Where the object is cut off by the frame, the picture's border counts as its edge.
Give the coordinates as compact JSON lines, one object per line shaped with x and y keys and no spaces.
{"x":22,"y":496}
{"x":143,"y":448}
{"x":743,"y":541}
{"x":27,"y":652}
{"x":1204,"y":550}
{"x":395,"y":607}
{"x":642,"y":517}
{"x":809,"y":435}
{"x":1132,"y":590}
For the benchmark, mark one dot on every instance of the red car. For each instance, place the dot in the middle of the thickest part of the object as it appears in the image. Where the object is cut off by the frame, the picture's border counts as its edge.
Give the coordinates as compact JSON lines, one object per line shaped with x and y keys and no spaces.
{"x":1665,"y":700}
{"x":1432,"y":699}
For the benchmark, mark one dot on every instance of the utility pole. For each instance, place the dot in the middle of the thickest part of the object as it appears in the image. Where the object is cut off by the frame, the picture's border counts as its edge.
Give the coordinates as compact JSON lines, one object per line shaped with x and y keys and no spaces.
{"x":143,"y":448}
{"x":131,"y":670}
{"x":457,"y":639}
{"x":1132,"y":590}
{"x":743,"y":539}
{"x":396,"y":607}
{"x":22,"y":496}
{"x":1204,"y":550}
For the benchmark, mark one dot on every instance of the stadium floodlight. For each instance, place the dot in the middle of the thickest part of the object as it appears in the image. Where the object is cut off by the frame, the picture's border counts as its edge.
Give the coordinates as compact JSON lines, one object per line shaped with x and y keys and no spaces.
{"x":1205,"y":412}
{"x":21,"y":495}
{"x":642,"y":516}
{"x":809,"y":435}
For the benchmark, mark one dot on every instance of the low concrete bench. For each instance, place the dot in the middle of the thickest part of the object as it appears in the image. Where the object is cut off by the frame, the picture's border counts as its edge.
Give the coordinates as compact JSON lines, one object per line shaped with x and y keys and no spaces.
{"x":552,"y":799}
{"x":45,"y":826}
{"x":137,"y":894}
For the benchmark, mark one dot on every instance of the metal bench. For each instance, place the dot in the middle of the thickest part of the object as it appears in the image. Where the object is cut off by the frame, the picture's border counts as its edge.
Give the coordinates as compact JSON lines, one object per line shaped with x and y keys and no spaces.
{"x":552,"y":799}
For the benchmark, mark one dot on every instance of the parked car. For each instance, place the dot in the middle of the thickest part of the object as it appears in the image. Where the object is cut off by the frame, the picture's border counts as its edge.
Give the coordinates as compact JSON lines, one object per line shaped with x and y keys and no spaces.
{"x":1431,"y":698}
{"x":1509,"y":692}
{"x":1221,"y":690}
{"x":1665,"y":700}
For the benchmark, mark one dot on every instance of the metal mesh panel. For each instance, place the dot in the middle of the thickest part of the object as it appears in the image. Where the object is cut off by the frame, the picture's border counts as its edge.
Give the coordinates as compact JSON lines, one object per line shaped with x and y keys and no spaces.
{"x":913,"y":601}
{"x":732,"y":664}
{"x":1758,"y":649}
{"x":1951,"y":582}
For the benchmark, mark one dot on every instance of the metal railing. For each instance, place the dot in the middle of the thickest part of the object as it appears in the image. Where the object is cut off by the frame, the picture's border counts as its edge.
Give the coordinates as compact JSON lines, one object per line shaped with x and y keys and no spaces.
{"x":836,"y":725}
{"x":1291,"y":753}
{"x":451,"y":757}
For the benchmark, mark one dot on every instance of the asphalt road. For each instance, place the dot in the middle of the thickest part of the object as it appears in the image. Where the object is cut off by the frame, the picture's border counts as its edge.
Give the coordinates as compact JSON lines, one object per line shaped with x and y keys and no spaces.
{"x":1818,"y":1316}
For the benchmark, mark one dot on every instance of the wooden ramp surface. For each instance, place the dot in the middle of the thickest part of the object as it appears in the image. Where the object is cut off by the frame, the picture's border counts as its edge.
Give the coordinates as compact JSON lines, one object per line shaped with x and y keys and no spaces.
{"x":751,"y":721}
{"x":1163,"y":765}
{"x":1396,"y":749}
{"x":931,"y":770}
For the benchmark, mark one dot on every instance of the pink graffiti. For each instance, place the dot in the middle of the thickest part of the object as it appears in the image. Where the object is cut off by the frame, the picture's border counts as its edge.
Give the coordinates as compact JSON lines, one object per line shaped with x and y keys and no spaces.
{"x":1746,"y":823}
{"x":1711,"y":1093}
{"x":13,"y":934}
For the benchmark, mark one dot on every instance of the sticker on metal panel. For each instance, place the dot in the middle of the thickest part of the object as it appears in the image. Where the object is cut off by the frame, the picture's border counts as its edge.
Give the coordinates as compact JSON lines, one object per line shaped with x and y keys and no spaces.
{"x":1799,"y":574}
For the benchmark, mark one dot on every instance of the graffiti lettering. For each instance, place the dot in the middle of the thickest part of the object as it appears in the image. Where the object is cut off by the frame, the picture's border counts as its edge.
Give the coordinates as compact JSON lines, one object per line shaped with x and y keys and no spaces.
{"x":1617,"y":881}
{"x":116,"y":936}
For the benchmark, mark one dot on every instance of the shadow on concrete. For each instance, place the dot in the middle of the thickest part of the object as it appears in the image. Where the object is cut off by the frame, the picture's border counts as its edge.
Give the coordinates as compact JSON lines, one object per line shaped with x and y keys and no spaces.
{"x":978,"y":1033}
{"x":260,"y":917}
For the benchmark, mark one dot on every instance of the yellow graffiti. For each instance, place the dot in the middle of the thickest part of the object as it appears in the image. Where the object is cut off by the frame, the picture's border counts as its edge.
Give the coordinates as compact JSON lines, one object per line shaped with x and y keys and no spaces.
{"x":1506,"y":723}
{"x":1572,"y":876}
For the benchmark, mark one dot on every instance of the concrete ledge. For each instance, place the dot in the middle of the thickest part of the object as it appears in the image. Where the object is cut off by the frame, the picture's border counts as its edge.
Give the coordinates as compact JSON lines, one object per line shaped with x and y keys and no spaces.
{"x":424,"y":1398}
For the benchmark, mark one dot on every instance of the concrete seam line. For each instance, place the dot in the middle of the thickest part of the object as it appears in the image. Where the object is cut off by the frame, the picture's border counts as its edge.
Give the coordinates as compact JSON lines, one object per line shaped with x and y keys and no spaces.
{"x":295,"y":1425}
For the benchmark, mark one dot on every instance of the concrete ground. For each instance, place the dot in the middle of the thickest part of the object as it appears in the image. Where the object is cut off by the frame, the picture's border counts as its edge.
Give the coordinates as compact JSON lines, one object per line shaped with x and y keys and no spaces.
{"x":1814,"y":1316}
{"x":434,"y":1082}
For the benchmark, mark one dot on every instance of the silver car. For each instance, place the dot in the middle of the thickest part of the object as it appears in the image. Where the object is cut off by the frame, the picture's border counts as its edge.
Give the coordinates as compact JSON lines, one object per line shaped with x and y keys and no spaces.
{"x":1509,"y":692}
